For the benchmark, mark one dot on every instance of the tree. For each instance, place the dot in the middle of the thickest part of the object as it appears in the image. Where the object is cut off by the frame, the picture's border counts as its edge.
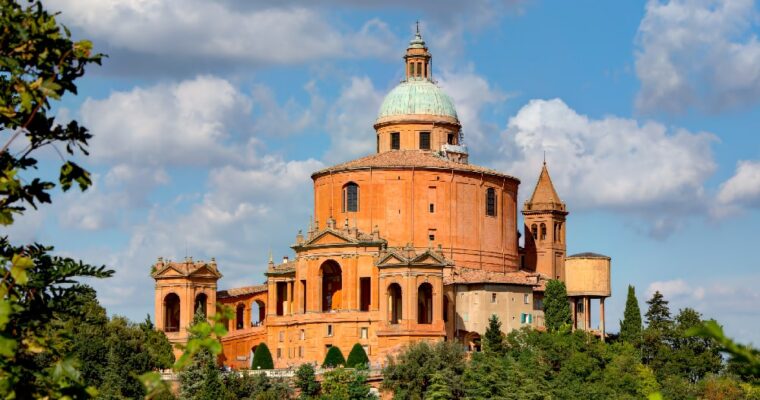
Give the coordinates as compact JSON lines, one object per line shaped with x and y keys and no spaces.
{"x":658,"y":314}
{"x":334,"y":358}
{"x":39,"y":62}
{"x":357,"y":358}
{"x":630,"y":327}
{"x":556,"y":306}
{"x":439,"y":388}
{"x":493,"y":340}
{"x":409,"y":374}
{"x":262,"y":358}
{"x":343,"y":384}
{"x":306,"y":381}
{"x":201,"y":379}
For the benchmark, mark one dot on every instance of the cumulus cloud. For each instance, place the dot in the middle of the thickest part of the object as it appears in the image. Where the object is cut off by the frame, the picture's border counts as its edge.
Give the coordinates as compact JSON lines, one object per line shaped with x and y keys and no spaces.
{"x":199,"y":30}
{"x":187,"y":123}
{"x":472,"y":95}
{"x":742,"y":189}
{"x":698,"y":53}
{"x":350,"y":119}
{"x":609,"y":163}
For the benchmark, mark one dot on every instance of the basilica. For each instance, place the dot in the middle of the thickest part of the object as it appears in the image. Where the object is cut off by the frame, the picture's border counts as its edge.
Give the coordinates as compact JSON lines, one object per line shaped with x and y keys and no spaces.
{"x":410,"y":243}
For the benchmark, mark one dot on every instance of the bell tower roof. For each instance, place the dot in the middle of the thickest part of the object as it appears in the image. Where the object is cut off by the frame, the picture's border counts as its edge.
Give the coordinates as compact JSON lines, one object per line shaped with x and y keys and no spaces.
{"x":544,"y":197}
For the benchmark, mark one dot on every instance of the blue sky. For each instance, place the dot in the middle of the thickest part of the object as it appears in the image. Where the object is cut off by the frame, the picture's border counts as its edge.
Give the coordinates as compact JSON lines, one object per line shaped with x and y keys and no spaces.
{"x":209,"y":117}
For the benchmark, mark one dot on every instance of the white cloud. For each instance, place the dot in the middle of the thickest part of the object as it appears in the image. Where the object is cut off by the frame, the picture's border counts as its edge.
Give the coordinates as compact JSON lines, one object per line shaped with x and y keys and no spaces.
{"x":698,"y":53}
{"x":472,"y":94}
{"x":350,"y":120}
{"x":187,"y":123}
{"x":742,"y":189}
{"x":198,"y":29}
{"x":674,"y":289}
{"x":609,"y":163}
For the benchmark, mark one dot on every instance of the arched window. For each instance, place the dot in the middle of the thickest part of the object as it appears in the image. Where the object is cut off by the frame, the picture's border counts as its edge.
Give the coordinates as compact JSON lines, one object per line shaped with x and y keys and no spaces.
{"x":332,"y":283}
{"x":534,"y":231}
{"x":350,"y":197}
{"x":543,"y":231}
{"x":258,"y":312}
{"x":200,"y":303}
{"x":491,"y":202}
{"x":239,"y":314}
{"x":425,"y":304}
{"x":558,"y":232}
{"x":394,"y":303}
{"x":171,"y":313}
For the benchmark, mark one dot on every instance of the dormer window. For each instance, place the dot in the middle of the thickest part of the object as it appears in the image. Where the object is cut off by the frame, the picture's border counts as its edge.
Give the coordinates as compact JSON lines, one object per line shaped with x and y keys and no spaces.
{"x":424,"y":140}
{"x":395,"y":141}
{"x":351,"y":197}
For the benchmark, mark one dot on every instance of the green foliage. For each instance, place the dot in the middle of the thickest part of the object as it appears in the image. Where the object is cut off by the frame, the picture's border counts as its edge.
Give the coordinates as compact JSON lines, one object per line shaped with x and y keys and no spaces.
{"x":556,"y":306}
{"x":38,"y":288}
{"x":410,"y":373}
{"x":344,"y":384}
{"x":38,"y":62}
{"x":306,"y":381}
{"x":630,"y":327}
{"x":334,"y":358}
{"x":357,"y":358}
{"x":658,"y":314}
{"x":744,"y":360}
{"x":262,"y":357}
{"x":493,"y":340}
{"x":200,"y":380}
{"x":439,"y":387}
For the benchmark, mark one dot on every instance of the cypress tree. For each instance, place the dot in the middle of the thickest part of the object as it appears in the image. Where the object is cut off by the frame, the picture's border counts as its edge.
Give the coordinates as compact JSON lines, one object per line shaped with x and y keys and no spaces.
{"x":556,"y":305}
{"x":630,"y":327}
{"x":334,"y":358}
{"x":262,"y":358}
{"x":357,"y":358}
{"x":306,"y":381}
{"x":493,"y":340}
{"x":201,"y":379}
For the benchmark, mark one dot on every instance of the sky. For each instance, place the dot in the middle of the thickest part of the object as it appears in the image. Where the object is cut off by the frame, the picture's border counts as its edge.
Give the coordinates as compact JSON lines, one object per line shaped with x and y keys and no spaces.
{"x":209,"y":116}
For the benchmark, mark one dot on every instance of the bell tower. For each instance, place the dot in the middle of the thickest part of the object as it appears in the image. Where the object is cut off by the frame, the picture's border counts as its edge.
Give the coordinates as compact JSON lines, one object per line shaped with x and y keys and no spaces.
{"x":544,"y":215}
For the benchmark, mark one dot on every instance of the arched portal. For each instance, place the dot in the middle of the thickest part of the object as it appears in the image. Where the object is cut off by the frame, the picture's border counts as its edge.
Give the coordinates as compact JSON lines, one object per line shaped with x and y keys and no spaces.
{"x":171,"y":313}
{"x":472,"y":341}
{"x":200,"y":303}
{"x":332,"y":283}
{"x":239,"y":314}
{"x":425,"y":304}
{"x":394,"y":303}
{"x":258,"y":312}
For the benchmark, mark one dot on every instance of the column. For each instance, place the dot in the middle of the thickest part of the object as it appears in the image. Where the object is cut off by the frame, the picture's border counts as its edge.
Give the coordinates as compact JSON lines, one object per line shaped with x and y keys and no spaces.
{"x":575,"y":313}
{"x":601,"y":316}
{"x":587,"y":313}
{"x":288,"y":293}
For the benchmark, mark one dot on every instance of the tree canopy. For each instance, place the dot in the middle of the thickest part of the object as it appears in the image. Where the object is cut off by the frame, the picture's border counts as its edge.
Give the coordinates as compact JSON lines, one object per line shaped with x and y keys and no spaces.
{"x":630,"y":326}
{"x":556,"y":305}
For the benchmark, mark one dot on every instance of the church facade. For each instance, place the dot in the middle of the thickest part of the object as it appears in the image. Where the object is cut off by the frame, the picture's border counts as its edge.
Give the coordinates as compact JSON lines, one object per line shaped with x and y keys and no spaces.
{"x":410,"y":243}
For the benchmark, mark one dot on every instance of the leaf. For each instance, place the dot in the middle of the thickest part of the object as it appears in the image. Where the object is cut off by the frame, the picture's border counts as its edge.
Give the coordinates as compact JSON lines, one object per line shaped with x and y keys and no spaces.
{"x":7,"y":346}
{"x":70,"y":173}
{"x":5,"y":313}
{"x":19,"y":265}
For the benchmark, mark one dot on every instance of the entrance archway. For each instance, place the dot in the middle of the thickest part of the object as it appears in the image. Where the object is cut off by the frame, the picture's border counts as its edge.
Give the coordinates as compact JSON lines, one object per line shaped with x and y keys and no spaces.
{"x":200,"y":303}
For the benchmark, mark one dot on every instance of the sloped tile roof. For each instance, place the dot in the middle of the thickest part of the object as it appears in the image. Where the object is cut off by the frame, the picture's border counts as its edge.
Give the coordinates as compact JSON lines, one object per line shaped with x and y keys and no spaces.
{"x":241,"y":291}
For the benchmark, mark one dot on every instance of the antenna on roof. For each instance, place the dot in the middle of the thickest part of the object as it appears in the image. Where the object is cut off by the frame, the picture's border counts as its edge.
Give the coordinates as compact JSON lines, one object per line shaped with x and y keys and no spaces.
{"x":544,"y":157}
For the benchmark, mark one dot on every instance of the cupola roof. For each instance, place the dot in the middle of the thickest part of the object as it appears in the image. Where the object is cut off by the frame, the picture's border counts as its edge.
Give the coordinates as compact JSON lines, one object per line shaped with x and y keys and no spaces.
{"x":417,"y":96}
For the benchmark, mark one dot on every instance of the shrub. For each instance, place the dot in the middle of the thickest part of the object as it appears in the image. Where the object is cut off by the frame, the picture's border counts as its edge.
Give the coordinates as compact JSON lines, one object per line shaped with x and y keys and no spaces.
{"x":262,"y":358}
{"x":334,"y":358}
{"x":357,"y":358}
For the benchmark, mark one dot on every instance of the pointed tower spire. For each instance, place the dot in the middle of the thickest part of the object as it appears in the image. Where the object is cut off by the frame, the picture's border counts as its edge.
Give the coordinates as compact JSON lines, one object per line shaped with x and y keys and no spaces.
{"x":544,"y":215}
{"x":544,"y":196}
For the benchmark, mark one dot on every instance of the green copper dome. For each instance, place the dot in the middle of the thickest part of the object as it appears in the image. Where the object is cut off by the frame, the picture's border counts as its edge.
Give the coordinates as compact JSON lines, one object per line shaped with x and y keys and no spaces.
{"x":417,"y":96}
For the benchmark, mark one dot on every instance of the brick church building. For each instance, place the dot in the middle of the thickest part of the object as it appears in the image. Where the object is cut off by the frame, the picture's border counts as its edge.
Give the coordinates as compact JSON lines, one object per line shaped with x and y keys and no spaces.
{"x":407,"y":244}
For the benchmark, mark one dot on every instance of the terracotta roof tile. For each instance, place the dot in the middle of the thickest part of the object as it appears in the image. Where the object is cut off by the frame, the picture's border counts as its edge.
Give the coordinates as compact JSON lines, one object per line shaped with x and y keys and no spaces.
{"x":408,"y":158}
{"x":241,"y":291}
{"x":471,"y":275}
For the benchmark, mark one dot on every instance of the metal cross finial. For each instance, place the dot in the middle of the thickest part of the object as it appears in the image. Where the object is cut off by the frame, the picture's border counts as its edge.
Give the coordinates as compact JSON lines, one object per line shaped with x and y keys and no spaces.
{"x":544,"y":157}
{"x":418,"y":26}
